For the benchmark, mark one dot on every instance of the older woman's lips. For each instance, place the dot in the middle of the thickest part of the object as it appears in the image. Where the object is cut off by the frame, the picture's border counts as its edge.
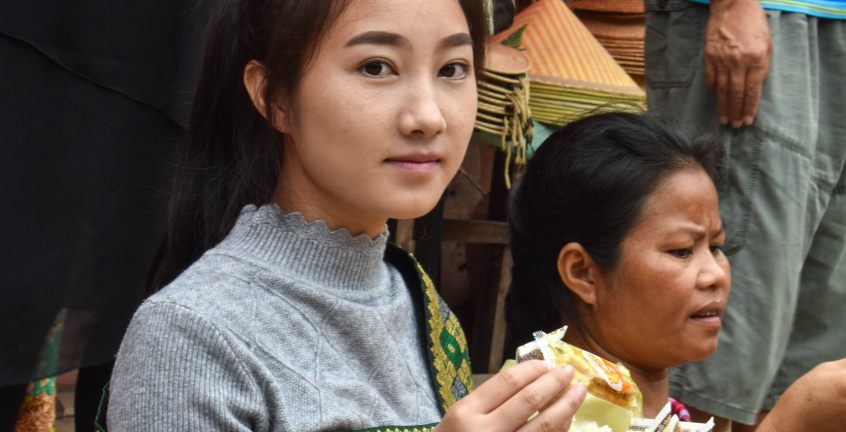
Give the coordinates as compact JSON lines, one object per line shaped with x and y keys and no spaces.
{"x":712,"y":317}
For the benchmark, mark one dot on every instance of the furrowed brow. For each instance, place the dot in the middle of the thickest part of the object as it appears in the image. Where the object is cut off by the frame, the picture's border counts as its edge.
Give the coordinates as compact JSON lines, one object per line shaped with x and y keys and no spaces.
{"x":722,"y":229}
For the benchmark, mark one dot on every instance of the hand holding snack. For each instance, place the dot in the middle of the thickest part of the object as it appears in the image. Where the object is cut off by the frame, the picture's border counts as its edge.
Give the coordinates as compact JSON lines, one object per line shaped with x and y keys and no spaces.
{"x":507,"y":401}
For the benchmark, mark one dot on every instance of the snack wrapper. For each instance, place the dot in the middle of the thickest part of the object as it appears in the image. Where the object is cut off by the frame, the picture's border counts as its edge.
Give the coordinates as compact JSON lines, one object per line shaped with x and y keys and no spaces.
{"x":613,"y":402}
{"x":666,"y":421}
{"x":612,"y":396}
{"x":605,"y":380}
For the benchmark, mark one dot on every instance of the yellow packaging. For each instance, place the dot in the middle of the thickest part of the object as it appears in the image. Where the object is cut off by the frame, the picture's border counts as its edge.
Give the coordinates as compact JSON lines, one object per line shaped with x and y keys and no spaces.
{"x":605,"y":380}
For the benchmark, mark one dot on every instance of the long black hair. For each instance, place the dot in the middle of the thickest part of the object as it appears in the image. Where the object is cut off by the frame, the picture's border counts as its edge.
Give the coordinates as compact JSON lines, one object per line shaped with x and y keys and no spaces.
{"x":231,"y":156}
{"x":587,"y":183}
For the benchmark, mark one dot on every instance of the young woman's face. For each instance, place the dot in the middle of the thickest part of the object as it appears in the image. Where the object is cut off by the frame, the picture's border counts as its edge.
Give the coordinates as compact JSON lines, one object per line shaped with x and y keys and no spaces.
{"x":382,"y":116}
{"x":663,"y":302}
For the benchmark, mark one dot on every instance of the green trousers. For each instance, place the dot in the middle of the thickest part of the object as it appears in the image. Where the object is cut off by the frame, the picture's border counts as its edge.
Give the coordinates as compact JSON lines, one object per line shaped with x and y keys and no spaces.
{"x":784,"y":205}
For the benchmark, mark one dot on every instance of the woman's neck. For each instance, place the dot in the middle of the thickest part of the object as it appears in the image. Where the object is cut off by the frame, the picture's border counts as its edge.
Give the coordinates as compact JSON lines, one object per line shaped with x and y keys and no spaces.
{"x":652,"y":383}
{"x":332,"y":213}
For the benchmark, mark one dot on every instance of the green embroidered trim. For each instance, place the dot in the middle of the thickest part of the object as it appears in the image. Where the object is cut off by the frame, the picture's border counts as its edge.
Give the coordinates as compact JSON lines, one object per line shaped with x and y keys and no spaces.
{"x":46,"y":385}
{"x":100,"y":418}
{"x":447,"y":346}
{"x":422,"y":428}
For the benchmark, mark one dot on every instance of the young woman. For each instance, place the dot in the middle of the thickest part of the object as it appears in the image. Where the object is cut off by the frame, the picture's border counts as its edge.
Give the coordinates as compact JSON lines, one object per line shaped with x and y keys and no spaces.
{"x":283,"y":308}
{"x":616,"y":232}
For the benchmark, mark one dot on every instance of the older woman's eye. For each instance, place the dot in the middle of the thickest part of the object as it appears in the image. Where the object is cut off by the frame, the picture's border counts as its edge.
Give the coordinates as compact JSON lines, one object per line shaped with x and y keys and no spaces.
{"x":377,"y":69}
{"x":716,"y":249}
{"x":681,"y":253}
{"x":455,"y":71}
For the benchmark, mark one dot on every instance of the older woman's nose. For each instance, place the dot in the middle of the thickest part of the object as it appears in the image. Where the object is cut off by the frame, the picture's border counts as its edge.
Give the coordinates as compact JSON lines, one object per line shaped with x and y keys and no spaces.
{"x":715,"y":272}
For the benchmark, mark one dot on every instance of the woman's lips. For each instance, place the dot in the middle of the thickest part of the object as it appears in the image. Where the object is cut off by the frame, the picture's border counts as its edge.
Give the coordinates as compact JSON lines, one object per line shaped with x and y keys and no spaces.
{"x":709,"y":316}
{"x":414,"y":163}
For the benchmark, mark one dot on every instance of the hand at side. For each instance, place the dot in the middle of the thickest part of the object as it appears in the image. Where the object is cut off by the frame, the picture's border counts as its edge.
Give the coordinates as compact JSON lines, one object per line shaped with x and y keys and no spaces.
{"x":738,"y":46}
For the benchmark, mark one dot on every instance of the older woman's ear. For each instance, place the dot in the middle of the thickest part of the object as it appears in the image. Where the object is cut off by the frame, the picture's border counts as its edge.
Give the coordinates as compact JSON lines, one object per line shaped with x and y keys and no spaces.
{"x":577,"y":272}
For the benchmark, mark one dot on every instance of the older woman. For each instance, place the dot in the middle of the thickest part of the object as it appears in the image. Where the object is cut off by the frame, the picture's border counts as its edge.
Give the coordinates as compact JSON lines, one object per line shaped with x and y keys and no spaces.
{"x":616,"y":232}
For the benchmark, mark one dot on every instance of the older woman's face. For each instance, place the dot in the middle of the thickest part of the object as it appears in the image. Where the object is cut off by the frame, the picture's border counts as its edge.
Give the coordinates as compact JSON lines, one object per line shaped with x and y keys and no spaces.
{"x":662,"y":304}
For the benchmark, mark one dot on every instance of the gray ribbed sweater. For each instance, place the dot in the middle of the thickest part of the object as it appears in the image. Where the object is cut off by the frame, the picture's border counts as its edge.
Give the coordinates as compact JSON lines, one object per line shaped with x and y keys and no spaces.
{"x":284,"y":326}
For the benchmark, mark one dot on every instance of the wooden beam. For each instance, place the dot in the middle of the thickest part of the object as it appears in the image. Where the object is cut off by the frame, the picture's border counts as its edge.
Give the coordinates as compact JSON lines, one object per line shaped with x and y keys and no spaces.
{"x":475,"y":231}
{"x":499,"y":328}
{"x":405,"y":234}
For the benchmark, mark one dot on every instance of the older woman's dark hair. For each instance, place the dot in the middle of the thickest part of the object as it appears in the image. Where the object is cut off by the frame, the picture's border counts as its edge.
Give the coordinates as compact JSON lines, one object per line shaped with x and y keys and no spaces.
{"x":587,"y":183}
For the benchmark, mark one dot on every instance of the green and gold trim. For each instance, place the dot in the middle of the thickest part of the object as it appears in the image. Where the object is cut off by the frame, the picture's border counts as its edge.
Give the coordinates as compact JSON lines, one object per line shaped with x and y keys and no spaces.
{"x":423,"y":428}
{"x":447,"y":345}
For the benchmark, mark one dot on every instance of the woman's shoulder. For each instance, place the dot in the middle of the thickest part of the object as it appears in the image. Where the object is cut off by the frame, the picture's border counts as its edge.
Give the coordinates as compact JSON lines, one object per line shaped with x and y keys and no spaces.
{"x":205,"y":309}
{"x":188,"y":337}
{"x":227,"y":294}
{"x":209,"y":283}
{"x":218,"y":293}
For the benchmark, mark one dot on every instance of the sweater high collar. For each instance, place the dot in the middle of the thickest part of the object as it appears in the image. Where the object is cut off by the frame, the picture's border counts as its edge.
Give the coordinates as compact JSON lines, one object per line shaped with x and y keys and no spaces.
{"x":310,"y":251}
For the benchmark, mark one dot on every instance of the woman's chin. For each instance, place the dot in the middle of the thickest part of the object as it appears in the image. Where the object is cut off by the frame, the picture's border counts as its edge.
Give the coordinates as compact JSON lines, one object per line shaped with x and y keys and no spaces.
{"x":412,"y":207}
{"x":702,"y":352}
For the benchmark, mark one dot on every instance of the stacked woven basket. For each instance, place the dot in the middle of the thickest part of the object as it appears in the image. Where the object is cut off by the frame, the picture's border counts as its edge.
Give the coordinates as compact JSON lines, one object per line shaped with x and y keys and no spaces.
{"x":542,"y":72}
{"x":571,"y":71}
{"x":619,"y":26}
{"x":503,"y":110}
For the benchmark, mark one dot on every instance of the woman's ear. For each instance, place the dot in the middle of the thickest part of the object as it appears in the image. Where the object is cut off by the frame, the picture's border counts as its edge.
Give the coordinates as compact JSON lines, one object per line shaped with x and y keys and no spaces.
{"x":254,"y":82}
{"x":575,"y":268}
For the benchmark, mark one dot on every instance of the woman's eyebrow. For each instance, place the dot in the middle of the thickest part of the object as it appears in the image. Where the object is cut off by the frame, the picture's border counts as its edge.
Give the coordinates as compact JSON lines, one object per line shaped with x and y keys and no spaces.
{"x":378,"y":38}
{"x":456,"y":40}
{"x":398,"y":40}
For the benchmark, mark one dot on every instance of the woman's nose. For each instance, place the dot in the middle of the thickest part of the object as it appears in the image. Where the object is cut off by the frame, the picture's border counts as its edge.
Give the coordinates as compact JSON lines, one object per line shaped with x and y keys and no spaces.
{"x":422,"y":115}
{"x":714,"y":273}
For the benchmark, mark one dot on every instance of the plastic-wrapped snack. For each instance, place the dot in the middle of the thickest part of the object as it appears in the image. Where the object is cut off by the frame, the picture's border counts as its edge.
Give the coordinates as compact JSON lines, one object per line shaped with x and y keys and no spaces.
{"x":666,"y":421}
{"x":697,"y":427}
{"x":590,"y":427}
{"x":663,"y":419}
{"x":605,"y":380}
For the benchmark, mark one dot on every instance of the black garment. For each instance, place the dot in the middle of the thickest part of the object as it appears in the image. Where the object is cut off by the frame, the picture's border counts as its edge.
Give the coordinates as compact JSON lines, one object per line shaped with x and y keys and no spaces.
{"x":11,"y":398}
{"x":89,"y":395}
{"x":93,"y":96}
{"x":503,"y":14}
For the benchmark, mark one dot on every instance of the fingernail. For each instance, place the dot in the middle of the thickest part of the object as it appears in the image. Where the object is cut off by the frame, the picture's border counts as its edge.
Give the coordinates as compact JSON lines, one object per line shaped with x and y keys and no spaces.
{"x":548,"y":365}
{"x":567,"y":369}
{"x":748,"y":120}
{"x":724,"y":120}
{"x":736,"y":124}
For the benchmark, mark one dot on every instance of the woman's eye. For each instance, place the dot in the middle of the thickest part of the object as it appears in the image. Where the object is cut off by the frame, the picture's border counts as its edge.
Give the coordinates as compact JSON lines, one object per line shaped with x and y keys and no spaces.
{"x":716,"y":249}
{"x":681,"y":253}
{"x":377,"y":69}
{"x":454,"y":71}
